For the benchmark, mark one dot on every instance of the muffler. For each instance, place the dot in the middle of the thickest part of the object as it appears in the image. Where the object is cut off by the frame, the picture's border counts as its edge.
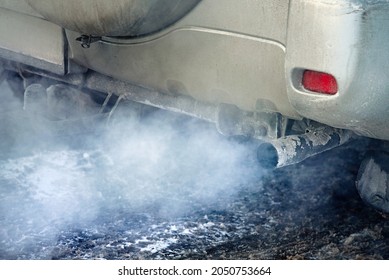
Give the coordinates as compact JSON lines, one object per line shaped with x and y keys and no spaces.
{"x":296,"y":148}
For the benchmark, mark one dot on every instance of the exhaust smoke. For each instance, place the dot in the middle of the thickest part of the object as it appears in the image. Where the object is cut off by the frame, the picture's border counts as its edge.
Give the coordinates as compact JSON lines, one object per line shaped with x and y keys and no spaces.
{"x":163,"y":164}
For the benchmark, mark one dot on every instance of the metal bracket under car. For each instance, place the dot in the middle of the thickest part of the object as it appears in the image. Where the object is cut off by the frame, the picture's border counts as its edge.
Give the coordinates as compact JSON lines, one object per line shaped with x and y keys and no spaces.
{"x":87,"y":40}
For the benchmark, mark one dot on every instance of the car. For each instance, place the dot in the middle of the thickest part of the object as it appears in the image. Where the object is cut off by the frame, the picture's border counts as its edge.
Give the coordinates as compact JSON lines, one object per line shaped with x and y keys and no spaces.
{"x":299,"y":76}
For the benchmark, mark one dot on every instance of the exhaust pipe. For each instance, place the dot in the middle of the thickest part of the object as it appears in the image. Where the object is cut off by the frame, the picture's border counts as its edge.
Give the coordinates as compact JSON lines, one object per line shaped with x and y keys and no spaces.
{"x":296,"y":148}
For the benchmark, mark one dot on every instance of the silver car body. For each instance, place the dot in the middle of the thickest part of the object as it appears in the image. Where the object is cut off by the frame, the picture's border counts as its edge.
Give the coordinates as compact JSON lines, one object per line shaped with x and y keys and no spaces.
{"x":249,"y":54}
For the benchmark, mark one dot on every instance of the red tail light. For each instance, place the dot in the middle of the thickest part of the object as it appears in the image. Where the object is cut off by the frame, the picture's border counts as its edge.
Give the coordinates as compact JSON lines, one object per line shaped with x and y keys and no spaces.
{"x":319,"y":82}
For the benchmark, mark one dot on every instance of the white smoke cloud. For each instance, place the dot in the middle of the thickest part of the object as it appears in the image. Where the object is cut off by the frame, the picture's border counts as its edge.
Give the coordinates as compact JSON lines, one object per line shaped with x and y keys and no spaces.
{"x":164,"y":163}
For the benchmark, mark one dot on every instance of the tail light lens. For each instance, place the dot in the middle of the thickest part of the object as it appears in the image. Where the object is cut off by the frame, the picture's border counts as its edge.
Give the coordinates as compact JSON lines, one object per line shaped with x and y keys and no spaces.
{"x":319,"y":82}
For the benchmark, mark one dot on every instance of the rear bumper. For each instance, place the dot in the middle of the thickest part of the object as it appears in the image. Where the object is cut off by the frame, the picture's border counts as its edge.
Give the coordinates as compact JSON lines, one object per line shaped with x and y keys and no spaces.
{"x":214,"y":56}
{"x":349,"y":40}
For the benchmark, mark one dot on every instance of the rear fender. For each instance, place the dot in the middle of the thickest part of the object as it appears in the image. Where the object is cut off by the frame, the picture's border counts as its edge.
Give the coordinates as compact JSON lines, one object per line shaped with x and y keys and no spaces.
{"x":347,"y":39}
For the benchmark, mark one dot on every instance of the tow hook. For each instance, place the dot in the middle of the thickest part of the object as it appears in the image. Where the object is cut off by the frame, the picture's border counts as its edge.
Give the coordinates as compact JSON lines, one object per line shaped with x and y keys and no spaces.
{"x":296,"y":148}
{"x":373,"y":180}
